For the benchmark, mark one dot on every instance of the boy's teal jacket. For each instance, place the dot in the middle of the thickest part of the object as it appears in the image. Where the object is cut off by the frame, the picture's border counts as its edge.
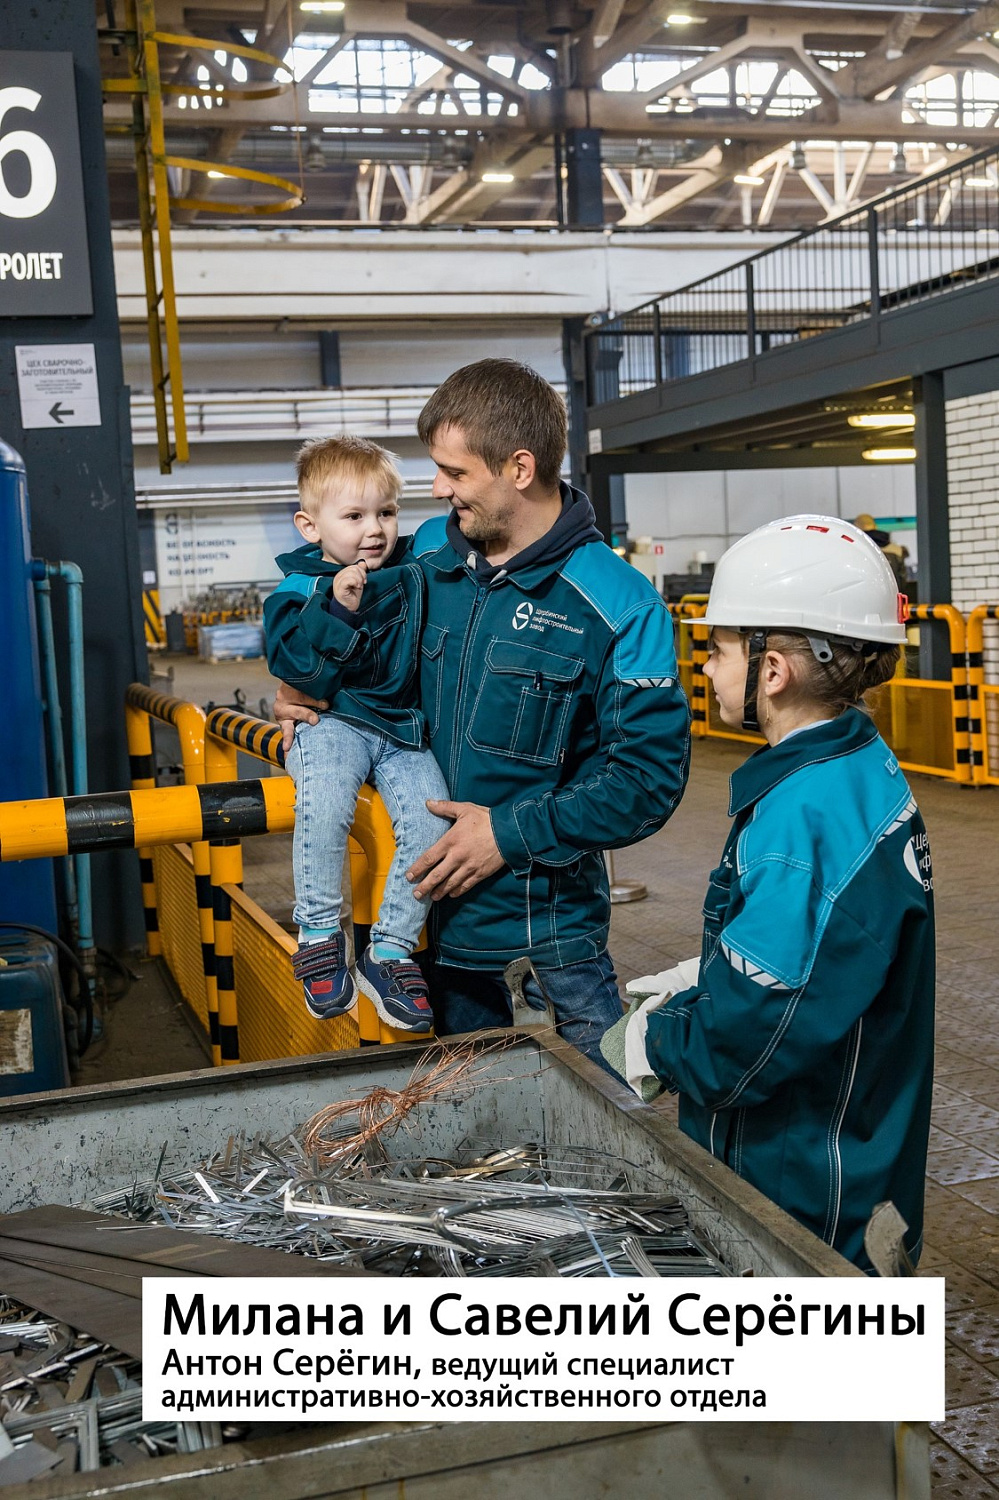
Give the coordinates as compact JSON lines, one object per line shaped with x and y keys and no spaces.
{"x":804,"y":1054}
{"x":551,"y":696}
{"x":363,"y":663}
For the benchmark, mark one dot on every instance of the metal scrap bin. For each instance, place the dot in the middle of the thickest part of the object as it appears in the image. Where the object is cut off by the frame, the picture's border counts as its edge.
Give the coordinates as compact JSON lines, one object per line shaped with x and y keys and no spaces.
{"x":70,"y":1146}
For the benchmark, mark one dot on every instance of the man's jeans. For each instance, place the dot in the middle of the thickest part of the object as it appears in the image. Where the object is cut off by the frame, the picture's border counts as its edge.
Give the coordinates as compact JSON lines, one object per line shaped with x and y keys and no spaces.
{"x":329,"y":763}
{"x":584,"y":997}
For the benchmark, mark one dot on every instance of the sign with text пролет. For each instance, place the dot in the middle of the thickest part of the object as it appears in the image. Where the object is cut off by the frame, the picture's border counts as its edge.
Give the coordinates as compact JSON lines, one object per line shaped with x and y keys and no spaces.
{"x":507,"y":1349}
{"x":44,"y":260}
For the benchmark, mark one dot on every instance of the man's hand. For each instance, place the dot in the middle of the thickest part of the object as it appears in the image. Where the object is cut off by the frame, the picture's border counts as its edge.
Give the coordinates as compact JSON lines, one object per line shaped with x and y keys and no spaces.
{"x":292,"y":707}
{"x":465,"y":855}
{"x":348,"y":585}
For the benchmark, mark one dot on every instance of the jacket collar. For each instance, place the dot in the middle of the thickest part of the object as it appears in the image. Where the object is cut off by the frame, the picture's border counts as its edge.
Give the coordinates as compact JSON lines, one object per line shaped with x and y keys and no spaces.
{"x":574,"y":526}
{"x":773,"y":763}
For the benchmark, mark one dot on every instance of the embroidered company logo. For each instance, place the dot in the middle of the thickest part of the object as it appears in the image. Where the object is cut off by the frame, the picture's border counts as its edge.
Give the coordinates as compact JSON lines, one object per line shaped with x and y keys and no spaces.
{"x":522,"y":615}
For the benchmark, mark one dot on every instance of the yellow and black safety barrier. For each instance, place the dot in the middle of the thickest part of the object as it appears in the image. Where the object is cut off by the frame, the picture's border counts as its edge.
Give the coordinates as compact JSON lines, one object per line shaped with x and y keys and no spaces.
{"x":52,"y":827}
{"x":152,"y":618}
{"x":371,"y":845}
{"x":961,"y":724}
{"x":983,"y":701}
{"x":692,"y":638}
{"x":142,"y":704}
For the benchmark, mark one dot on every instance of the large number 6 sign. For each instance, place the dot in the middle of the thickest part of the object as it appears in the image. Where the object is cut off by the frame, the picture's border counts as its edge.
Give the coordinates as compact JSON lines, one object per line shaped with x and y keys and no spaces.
{"x":40,"y":159}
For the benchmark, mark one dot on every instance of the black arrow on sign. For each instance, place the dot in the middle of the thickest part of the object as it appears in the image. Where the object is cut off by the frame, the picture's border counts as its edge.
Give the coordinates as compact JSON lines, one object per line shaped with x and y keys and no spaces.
{"x":57,"y":412}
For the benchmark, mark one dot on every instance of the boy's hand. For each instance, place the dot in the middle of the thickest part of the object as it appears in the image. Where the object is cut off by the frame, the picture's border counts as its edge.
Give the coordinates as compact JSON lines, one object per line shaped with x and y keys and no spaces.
{"x":348,"y":585}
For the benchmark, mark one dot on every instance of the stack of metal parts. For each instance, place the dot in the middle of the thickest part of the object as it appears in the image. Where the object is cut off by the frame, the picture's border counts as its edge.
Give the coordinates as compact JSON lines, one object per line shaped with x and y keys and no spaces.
{"x":68,"y":1403}
{"x":514,"y":1211}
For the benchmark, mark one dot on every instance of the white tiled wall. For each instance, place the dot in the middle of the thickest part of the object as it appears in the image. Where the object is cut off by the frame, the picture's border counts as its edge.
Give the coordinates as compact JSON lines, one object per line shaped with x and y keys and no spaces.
{"x":973,"y":485}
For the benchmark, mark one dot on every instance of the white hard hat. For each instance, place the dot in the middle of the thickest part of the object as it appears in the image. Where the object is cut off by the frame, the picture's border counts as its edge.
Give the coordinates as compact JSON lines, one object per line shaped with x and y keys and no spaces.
{"x":816,"y":574}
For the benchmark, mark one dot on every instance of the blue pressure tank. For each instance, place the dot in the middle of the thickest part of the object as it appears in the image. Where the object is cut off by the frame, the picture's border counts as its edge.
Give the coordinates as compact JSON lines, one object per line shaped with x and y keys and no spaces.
{"x":27,"y":887}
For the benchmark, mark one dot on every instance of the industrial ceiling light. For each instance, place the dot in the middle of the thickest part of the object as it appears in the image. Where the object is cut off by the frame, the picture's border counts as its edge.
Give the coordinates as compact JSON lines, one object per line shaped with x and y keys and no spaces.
{"x":882,"y":419}
{"x":321,"y":7}
{"x":315,"y":158}
{"x":897,"y":164}
{"x":681,"y":18}
{"x":498,"y":177}
{"x":984,"y":181}
{"x":889,"y":455}
{"x":748,"y":179}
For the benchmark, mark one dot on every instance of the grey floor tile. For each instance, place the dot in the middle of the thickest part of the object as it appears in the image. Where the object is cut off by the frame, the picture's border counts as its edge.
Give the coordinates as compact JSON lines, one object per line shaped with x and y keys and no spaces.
{"x":968,"y":1382}
{"x":976,"y":1331}
{"x":974,"y":1433}
{"x":953,"y":1478}
{"x":953,"y":1164}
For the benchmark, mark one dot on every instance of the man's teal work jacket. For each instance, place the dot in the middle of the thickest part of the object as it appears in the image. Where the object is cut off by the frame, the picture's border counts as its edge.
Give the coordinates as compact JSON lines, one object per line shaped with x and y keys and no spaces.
{"x":804,"y":1054}
{"x":363,"y":663}
{"x":551,"y":697}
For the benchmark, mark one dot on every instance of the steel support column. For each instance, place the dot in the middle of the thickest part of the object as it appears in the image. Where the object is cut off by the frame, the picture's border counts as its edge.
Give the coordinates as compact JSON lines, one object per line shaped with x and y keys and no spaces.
{"x":574,"y":363}
{"x":584,"y":179}
{"x":932,"y":520}
{"x":80,"y":478}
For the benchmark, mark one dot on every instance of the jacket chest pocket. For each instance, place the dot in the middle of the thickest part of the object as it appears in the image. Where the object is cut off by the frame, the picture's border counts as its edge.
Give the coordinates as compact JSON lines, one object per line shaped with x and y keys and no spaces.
{"x":522,"y":705}
{"x":431,"y":674}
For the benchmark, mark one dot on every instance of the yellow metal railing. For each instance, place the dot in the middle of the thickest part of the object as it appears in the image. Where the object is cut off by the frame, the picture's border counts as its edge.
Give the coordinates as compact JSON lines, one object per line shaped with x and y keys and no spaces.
{"x":233,"y":965}
{"x":371,"y":846}
{"x":983,"y":701}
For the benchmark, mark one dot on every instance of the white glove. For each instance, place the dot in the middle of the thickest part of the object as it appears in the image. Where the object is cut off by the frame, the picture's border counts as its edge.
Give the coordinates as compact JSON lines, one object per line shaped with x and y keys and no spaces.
{"x":669,"y":982}
{"x":662,"y":986}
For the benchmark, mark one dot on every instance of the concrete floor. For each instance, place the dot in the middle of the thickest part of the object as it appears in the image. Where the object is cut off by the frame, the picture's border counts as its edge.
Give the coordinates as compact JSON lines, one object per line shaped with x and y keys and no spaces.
{"x":962,"y":1234}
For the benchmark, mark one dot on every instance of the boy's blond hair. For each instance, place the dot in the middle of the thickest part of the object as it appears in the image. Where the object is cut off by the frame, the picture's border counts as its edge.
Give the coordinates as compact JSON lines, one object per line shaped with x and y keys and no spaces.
{"x":335,"y":462}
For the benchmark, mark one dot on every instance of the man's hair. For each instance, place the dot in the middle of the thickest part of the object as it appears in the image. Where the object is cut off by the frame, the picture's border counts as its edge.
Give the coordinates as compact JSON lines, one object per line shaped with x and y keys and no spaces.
{"x":323,"y":464}
{"x":500,"y":406}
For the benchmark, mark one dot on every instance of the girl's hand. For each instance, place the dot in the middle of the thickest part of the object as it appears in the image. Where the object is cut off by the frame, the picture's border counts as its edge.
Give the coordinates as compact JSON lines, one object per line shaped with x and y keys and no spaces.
{"x":348,"y":585}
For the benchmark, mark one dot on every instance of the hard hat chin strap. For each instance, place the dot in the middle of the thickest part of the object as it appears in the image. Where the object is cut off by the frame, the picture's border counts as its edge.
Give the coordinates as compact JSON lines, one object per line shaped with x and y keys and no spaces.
{"x":757,"y":646}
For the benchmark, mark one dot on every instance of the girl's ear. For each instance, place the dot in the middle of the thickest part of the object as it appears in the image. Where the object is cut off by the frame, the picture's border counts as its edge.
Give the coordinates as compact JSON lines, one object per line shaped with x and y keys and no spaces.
{"x":306,"y":525}
{"x":776,"y":675}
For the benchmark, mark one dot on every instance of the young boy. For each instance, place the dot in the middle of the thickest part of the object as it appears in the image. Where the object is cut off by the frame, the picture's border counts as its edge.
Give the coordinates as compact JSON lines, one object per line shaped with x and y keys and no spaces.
{"x":344,"y":626}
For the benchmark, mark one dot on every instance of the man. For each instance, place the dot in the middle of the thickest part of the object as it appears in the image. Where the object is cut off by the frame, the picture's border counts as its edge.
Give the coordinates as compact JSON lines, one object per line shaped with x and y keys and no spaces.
{"x":549,"y":684}
{"x":895,"y":553}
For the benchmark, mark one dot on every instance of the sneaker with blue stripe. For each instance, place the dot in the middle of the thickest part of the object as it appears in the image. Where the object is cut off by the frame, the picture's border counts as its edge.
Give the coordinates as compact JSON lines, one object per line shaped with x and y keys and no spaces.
{"x":398,"y":991}
{"x":328,"y":984}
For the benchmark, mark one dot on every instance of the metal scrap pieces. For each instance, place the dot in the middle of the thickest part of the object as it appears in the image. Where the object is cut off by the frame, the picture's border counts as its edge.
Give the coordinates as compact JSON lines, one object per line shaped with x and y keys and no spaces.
{"x":519,"y":1209}
{"x":71,"y":1404}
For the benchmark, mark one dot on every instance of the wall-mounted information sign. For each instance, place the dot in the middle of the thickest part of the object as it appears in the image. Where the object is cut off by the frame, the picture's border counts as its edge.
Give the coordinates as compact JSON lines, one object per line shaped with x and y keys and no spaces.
{"x":57,"y":384}
{"x":44,"y":263}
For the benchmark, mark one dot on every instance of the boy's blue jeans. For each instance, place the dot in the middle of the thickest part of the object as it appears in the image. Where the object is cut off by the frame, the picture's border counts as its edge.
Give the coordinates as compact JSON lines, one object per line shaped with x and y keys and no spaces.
{"x":329,"y":763}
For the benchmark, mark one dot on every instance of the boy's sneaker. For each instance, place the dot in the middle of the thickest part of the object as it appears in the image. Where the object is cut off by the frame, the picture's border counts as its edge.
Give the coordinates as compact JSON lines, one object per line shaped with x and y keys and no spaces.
{"x":397,"y":990}
{"x":328,"y":983}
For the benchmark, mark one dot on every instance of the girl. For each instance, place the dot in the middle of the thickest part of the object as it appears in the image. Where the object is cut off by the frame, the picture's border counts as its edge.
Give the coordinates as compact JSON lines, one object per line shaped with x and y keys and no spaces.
{"x":803,"y":1053}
